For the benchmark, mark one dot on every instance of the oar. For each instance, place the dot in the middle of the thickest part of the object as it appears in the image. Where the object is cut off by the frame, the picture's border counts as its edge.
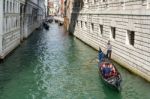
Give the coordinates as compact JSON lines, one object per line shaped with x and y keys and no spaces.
{"x":93,"y":59}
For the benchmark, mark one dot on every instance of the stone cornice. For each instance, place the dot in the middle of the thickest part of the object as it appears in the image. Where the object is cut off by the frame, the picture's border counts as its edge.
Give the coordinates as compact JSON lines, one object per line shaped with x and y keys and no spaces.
{"x":117,"y":12}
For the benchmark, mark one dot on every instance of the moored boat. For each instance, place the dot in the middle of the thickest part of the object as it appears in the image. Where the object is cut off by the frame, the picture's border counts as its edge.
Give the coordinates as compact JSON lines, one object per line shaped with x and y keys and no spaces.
{"x":108,"y":72}
{"x":45,"y":25}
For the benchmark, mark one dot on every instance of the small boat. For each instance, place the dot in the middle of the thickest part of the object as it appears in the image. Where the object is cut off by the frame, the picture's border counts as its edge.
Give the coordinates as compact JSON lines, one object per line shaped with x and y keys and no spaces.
{"x":56,"y":21}
{"x":50,"y":20}
{"x":113,"y":79}
{"x":60,"y":24}
{"x":46,"y":26}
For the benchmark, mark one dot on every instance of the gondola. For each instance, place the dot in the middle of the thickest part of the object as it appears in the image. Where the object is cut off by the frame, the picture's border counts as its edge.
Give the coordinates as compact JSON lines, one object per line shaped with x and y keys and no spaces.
{"x":46,"y":26}
{"x":56,"y":21}
{"x":60,"y":24}
{"x":113,"y":80}
{"x":50,"y":20}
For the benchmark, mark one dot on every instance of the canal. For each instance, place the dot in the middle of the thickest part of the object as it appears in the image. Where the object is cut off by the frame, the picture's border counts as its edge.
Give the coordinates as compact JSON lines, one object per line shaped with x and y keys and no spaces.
{"x":53,"y":65}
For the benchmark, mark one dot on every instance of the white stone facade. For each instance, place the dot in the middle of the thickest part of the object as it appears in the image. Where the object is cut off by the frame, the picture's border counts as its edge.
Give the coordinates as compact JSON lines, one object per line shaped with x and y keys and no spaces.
{"x":118,"y":21}
{"x":14,"y":24}
{"x":35,"y":15}
{"x":10,"y":25}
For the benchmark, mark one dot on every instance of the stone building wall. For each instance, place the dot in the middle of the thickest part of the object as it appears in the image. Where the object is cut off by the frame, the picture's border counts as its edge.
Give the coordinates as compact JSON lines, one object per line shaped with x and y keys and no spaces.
{"x":18,"y":19}
{"x":10,"y":33}
{"x":35,"y":12}
{"x":67,"y":14}
{"x":126,"y":23}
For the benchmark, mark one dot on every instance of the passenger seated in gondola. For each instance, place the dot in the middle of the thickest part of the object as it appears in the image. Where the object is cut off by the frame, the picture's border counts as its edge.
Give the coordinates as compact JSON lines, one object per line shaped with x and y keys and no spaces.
{"x":106,"y":70}
{"x":113,"y":70}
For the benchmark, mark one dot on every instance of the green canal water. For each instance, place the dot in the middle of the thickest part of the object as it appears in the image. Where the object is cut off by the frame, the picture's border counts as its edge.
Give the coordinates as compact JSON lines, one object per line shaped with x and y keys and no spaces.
{"x":53,"y":65}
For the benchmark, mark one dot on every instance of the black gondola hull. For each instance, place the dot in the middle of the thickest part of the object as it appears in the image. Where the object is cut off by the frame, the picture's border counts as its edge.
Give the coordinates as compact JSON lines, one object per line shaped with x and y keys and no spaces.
{"x":114,"y":82}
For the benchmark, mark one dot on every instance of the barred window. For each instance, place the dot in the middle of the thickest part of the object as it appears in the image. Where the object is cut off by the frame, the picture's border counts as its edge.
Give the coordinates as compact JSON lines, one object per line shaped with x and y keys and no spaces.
{"x":113,"y":32}
{"x":130,"y":37}
{"x":85,"y":24}
{"x":101,"y":29}
{"x":10,"y":6}
{"x":7,"y":6}
{"x":92,"y":26}
{"x":81,"y":24}
{"x":3,"y":5}
{"x":13,"y":7}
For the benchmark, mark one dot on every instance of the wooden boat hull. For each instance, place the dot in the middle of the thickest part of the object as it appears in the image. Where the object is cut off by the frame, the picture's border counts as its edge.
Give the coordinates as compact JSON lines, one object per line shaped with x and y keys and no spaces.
{"x":112,"y":85}
{"x":108,"y":72}
{"x":114,"y":82}
{"x":46,"y":26}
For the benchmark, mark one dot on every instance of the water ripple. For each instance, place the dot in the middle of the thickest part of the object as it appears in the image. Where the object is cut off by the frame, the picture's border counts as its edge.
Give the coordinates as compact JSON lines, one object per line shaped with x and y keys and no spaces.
{"x":53,"y":65}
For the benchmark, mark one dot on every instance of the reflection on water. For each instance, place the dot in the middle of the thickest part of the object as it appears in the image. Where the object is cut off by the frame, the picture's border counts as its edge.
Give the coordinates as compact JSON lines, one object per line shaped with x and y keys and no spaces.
{"x":53,"y":65}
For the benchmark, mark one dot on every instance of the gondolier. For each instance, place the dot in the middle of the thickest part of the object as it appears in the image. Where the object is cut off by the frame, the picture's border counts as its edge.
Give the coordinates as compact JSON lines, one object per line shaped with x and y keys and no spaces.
{"x":109,"y":50}
{"x":109,"y":73}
